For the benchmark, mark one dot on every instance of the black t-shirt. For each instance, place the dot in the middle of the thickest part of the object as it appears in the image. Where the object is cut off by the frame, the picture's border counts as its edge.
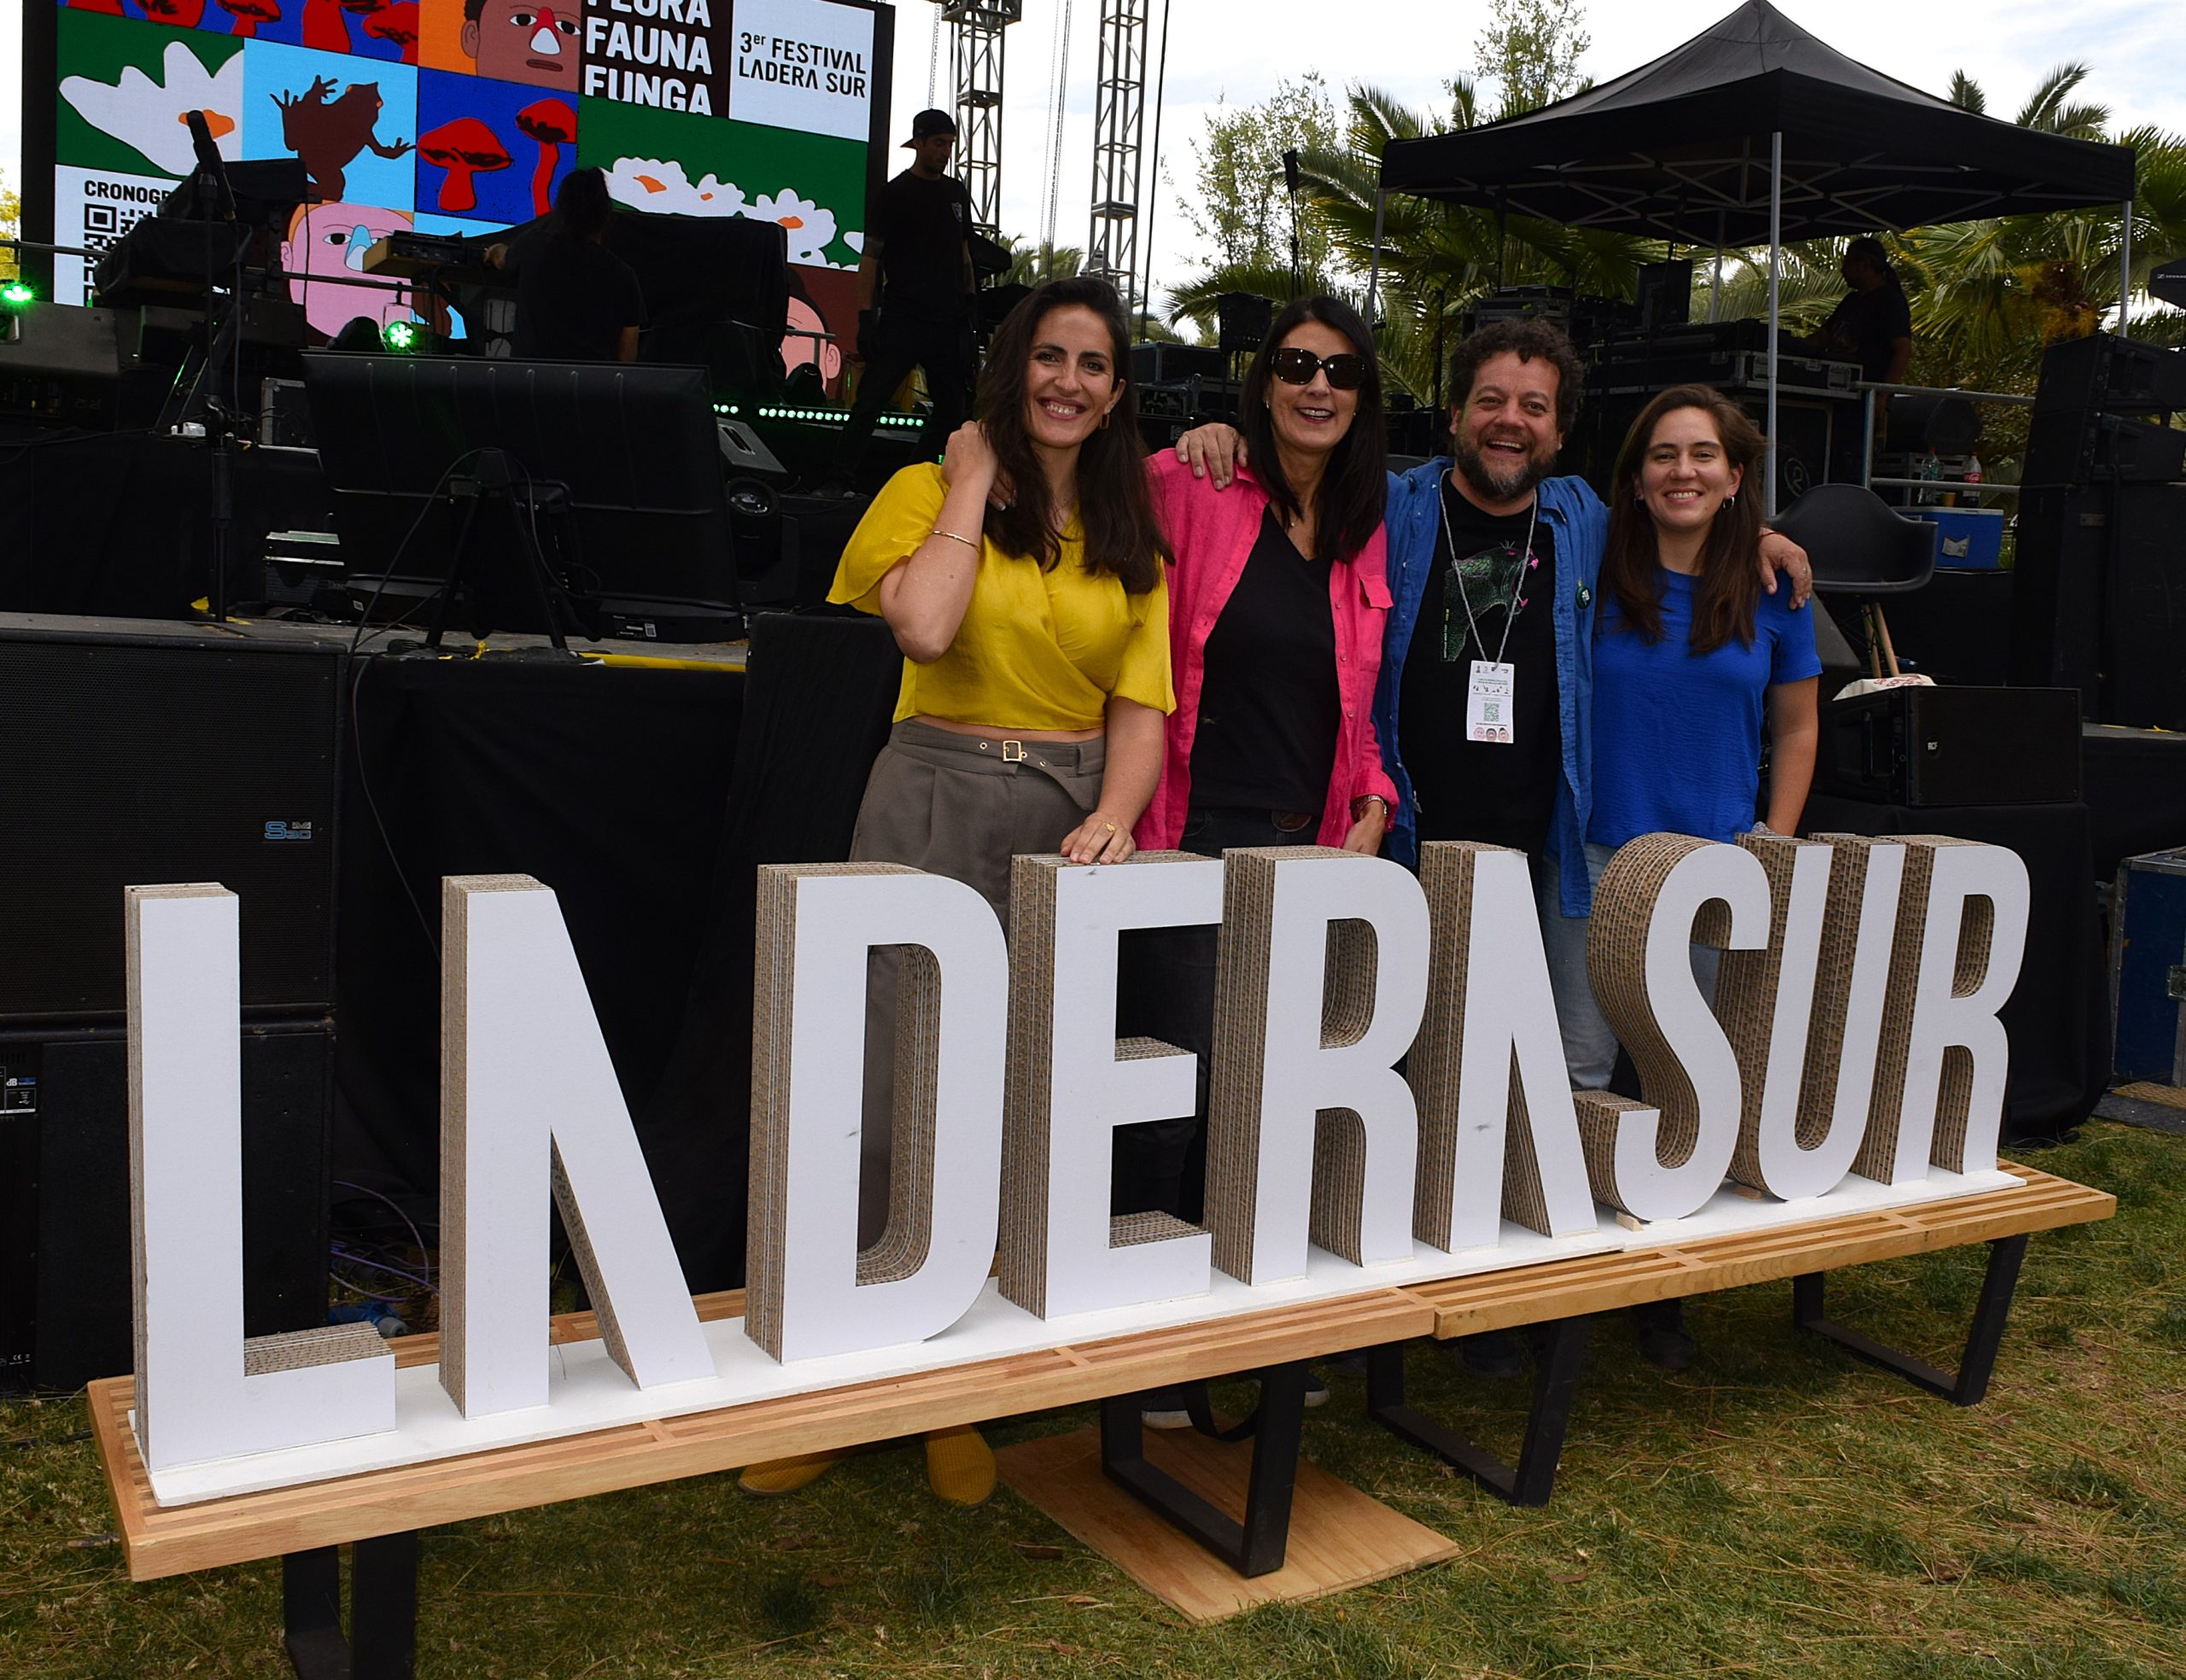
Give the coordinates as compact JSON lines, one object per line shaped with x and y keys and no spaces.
{"x":921,"y":225}
{"x":573,"y":299}
{"x":1866,"y":324}
{"x":1500,"y":793}
{"x":1268,"y":708}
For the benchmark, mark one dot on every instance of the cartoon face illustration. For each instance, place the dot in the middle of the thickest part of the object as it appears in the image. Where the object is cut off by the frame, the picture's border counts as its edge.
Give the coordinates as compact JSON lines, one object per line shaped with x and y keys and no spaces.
{"x":152,"y":116}
{"x":538,"y":41}
{"x":332,"y":239}
{"x":799,"y":347}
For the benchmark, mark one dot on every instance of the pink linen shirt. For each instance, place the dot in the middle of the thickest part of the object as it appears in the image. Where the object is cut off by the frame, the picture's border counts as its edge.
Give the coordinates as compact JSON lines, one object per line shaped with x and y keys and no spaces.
{"x":1211,"y":532}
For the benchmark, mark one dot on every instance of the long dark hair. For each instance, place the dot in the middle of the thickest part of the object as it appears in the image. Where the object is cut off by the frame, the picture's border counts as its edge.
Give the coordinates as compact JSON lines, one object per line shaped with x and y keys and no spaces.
{"x":1114,"y":509}
{"x":1355,"y":486}
{"x":1726,"y":592}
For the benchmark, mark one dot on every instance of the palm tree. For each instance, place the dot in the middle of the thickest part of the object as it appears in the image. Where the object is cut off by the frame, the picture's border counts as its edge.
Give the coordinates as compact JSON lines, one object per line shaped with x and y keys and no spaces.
{"x":1436,"y":259}
{"x":1034,"y":265}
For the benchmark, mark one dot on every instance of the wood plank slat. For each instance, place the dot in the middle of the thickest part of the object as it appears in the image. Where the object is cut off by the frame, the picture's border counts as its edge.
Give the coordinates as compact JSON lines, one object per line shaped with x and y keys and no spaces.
{"x":159,"y":1543}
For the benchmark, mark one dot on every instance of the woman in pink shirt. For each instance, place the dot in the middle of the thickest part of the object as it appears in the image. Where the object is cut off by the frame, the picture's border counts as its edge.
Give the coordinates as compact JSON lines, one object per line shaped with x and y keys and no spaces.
{"x":1276,"y":602}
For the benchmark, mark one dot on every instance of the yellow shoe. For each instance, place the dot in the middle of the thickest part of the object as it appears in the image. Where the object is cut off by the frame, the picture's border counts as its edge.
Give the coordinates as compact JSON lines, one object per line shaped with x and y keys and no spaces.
{"x":959,"y":1465}
{"x":779,"y":1476}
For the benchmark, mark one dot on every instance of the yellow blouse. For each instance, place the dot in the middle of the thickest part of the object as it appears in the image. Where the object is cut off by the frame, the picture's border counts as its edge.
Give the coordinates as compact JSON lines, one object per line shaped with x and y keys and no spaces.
{"x":1038,"y":650}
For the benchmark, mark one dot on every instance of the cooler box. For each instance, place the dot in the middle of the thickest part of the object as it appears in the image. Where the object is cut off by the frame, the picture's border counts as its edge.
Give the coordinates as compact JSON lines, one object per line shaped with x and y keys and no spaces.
{"x":1973,"y":539}
{"x":2147,"y":969}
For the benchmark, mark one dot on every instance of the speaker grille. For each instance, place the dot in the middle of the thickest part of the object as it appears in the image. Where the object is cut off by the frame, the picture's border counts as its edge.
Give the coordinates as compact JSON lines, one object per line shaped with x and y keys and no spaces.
{"x":127,"y":763}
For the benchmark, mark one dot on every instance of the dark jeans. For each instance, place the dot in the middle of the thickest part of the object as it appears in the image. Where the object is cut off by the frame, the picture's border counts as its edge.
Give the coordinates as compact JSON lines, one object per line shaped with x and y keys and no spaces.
{"x":1167,"y":992}
{"x":943,"y":349}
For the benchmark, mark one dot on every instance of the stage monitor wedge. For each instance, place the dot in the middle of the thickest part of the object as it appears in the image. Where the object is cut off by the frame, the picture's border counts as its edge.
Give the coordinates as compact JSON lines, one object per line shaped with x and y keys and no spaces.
{"x":620,"y":465}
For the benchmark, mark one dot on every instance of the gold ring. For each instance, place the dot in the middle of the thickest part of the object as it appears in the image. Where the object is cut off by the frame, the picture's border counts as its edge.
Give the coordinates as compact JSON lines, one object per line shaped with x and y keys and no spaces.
{"x":1108,"y":827}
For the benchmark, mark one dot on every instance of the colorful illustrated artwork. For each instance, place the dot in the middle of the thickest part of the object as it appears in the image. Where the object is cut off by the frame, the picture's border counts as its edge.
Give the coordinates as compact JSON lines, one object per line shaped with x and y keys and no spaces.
{"x":466,"y":115}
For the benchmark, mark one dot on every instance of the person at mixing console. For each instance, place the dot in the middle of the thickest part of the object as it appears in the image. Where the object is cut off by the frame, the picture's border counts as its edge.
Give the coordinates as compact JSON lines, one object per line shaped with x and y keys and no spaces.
{"x":576,"y":300}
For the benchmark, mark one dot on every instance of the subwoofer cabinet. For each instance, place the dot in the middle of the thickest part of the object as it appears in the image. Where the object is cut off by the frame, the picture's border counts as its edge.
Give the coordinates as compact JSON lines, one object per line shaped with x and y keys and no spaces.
{"x":1952,"y":746}
{"x":131,"y":759}
{"x":64,"y":1150}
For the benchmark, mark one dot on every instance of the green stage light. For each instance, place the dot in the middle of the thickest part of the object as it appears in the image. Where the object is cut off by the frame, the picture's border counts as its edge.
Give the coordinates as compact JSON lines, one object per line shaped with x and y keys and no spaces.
{"x":399,"y":335}
{"x":17,"y":292}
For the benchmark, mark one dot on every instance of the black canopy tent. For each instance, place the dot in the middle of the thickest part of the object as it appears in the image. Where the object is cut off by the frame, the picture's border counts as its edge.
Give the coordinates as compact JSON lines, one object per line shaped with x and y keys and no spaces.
{"x":1756,"y":131}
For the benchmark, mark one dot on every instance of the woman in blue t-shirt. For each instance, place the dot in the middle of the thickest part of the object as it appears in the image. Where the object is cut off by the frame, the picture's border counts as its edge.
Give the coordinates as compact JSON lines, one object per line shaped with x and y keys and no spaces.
{"x":1689,"y":654}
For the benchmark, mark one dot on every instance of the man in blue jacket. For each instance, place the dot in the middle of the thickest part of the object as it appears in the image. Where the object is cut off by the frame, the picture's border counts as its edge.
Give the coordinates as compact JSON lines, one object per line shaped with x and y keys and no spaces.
{"x":1484,"y":709}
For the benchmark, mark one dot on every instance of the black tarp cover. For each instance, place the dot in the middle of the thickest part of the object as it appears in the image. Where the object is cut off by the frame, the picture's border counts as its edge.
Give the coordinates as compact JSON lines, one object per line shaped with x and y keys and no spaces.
{"x":1679,"y":149}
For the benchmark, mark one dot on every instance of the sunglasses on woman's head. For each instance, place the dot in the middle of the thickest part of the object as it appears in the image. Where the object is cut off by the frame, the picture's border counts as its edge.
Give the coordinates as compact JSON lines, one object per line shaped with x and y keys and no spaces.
{"x":1295,"y":366}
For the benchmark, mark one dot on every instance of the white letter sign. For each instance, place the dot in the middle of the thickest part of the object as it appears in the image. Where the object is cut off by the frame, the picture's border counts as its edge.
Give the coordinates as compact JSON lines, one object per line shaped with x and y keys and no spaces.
{"x":529,"y":1106}
{"x":810,"y":1292}
{"x":202,"y":1391}
{"x":1071,"y":1084}
{"x":1312,"y":1131}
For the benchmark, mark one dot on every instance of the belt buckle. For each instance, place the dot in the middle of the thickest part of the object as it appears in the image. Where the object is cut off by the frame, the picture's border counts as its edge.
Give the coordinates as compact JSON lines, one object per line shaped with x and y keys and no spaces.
{"x":1012,"y":752}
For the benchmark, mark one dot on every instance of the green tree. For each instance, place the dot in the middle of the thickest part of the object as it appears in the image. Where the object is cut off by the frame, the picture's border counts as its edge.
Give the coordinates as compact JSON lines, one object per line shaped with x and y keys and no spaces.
{"x":1530,"y":51}
{"x":1437,"y":259}
{"x":1031,"y":265}
{"x":11,"y":225}
{"x":1243,"y":210}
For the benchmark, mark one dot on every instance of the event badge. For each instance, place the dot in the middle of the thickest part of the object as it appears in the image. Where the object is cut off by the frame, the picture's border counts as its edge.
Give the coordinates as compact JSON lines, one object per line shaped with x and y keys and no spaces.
{"x":1489,"y":708}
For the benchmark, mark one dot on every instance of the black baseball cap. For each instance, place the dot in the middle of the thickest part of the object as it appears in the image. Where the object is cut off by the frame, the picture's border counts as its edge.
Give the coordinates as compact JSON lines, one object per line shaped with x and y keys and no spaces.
{"x":929,"y":122}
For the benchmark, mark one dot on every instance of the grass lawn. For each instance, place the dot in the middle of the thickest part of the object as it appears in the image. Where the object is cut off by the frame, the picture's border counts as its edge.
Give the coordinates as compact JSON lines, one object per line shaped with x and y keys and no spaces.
{"x":1781,"y":1510}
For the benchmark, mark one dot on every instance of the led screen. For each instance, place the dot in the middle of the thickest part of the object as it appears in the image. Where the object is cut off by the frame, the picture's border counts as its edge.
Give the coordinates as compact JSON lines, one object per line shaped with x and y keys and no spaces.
{"x":463,"y":115}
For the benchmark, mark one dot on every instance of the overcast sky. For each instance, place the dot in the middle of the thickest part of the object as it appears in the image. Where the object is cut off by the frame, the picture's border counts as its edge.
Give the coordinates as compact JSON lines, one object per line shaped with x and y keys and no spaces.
{"x":1236,"y":50}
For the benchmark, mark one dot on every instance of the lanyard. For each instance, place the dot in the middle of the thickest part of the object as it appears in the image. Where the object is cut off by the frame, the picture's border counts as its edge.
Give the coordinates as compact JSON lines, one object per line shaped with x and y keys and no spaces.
{"x":1518,"y":588}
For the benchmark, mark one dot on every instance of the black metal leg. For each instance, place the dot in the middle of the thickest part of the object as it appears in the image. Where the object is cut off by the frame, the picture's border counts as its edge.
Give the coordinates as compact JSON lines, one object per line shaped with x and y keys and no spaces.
{"x":311,"y":1614}
{"x":1555,"y":1386}
{"x":383,"y":1641}
{"x":1256,"y":1546}
{"x":1971,"y":1386}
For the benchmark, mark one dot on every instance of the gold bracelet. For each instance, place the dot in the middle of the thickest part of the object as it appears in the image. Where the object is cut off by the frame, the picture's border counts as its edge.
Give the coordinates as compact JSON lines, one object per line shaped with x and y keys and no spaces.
{"x":953,"y":537}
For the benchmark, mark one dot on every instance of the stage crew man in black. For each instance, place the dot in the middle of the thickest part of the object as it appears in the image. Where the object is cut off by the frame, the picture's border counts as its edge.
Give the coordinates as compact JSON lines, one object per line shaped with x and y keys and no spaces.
{"x":1874,"y":325}
{"x":918,"y":259}
{"x":576,"y":300}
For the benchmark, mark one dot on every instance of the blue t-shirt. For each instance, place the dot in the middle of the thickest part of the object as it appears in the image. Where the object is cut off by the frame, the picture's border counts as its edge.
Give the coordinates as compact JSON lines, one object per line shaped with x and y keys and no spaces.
{"x":1677,"y":734}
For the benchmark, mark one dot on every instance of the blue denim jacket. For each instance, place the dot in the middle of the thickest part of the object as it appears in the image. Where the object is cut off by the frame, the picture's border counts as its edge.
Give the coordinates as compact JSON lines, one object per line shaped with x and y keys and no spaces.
{"x":1580,"y":523}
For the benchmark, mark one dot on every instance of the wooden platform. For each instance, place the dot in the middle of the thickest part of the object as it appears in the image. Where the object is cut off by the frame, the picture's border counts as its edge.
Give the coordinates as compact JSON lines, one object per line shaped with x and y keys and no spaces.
{"x":159,"y":1543}
{"x":1340,"y":1537}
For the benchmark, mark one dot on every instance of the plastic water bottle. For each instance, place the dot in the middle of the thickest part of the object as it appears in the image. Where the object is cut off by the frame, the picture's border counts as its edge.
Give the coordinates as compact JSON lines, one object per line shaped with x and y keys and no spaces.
{"x":1973,"y":481}
{"x":1931,"y":471}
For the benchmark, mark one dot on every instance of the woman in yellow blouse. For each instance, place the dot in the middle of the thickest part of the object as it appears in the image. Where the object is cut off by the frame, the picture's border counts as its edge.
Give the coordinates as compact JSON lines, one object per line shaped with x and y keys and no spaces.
{"x":1034,"y":626}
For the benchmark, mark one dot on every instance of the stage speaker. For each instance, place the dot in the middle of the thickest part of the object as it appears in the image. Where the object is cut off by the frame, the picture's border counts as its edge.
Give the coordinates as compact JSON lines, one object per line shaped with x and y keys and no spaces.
{"x":64,"y":1271}
{"x":2109,"y":375}
{"x":2099,"y":600}
{"x":1157,"y":363}
{"x":2080,"y":446}
{"x":141,"y":760}
{"x":1952,"y":746}
{"x":1800,"y":449}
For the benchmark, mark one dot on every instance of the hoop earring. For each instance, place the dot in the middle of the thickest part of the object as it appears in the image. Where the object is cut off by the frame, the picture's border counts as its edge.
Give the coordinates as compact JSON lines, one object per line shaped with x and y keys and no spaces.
{"x":1730,"y":501}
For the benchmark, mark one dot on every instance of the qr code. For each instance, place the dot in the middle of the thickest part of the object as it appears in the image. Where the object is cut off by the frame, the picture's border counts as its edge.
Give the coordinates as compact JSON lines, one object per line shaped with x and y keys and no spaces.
{"x":101,"y":219}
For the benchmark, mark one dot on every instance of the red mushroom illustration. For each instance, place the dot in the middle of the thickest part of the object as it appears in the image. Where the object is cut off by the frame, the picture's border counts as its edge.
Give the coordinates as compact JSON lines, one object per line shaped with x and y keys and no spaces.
{"x":324,"y":30}
{"x":249,"y":15}
{"x":463,"y":148}
{"x":179,"y":14}
{"x":553,"y":125}
{"x":398,"y":24}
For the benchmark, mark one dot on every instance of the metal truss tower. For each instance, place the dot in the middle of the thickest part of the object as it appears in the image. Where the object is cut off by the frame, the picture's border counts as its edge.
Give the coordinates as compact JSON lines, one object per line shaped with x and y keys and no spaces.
{"x":1119,"y":121}
{"x":976,"y":28}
